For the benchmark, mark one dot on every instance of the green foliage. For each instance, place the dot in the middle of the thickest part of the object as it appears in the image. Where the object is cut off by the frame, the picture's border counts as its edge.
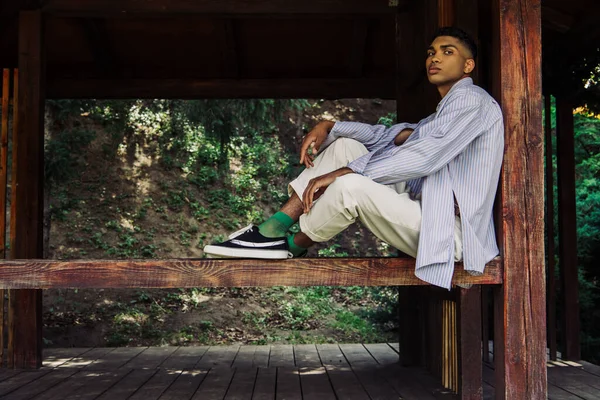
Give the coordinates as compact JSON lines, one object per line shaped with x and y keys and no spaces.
{"x":388,"y":120}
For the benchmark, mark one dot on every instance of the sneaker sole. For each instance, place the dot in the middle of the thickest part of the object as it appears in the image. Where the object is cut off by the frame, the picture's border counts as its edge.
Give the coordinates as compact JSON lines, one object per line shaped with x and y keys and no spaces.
{"x":226,"y":252}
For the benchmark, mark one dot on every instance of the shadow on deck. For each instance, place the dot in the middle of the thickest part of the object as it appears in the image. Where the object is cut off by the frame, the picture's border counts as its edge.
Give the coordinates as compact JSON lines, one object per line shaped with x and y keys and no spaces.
{"x":326,"y":371}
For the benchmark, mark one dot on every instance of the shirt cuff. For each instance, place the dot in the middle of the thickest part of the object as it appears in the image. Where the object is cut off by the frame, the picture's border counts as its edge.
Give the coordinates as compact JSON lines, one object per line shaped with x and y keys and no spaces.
{"x":360,"y":163}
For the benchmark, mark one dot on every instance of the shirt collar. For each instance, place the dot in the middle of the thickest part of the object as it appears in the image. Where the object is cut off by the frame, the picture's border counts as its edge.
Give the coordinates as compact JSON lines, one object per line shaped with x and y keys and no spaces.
{"x":461,"y":83}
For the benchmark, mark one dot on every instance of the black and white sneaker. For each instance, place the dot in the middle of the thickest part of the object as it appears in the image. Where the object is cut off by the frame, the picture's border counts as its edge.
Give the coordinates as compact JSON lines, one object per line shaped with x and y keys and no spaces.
{"x":249,"y":243}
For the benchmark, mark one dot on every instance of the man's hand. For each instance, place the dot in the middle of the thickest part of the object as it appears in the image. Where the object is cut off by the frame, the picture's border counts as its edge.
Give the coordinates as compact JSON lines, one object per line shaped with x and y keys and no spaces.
{"x":312,"y":141}
{"x":317,"y":186}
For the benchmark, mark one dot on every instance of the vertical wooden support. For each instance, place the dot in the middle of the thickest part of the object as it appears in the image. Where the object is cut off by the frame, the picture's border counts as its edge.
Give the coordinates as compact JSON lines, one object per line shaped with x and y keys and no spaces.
{"x":567,"y":228}
{"x":520,"y":310}
{"x":469,"y":343}
{"x":25,"y":306}
{"x":3,"y":181}
{"x":485,"y":328}
{"x":416,"y":99}
{"x":551,"y":280}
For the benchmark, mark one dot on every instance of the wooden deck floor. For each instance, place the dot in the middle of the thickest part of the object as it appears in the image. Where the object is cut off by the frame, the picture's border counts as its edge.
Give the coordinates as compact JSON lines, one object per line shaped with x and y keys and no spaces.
{"x":320,"y":372}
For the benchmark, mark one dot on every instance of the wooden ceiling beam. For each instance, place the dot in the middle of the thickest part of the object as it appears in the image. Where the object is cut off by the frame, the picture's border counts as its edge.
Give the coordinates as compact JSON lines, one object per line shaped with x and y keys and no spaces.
{"x":231,"y":67}
{"x":98,"y":39}
{"x":127,"y":7}
{"x":556,"y":20}
{"x":356,"y":60}
{"x":220,"y":88}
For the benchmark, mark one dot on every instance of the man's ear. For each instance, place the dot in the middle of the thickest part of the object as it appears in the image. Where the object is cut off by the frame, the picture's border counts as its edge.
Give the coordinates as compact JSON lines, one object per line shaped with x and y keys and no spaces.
{"x":469,"y":66}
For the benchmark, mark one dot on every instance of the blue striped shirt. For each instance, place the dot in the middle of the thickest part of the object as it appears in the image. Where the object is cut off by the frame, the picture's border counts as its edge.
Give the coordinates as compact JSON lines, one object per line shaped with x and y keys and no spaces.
{"x":455,"y":152}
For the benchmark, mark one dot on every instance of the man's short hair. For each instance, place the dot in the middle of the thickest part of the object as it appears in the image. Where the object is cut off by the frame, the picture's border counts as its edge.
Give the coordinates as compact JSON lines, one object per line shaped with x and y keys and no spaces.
{"x":459,"y":34}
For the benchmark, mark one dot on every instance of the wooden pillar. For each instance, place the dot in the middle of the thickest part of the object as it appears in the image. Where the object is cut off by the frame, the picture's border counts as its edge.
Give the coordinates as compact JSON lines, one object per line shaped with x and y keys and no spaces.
{"x":469,"y":343}
{"x":567,"y":229}
{"x":416,"y":98}
{"x":520,"y":310}
{"x":25,"y":306}
{"x":551,"y":281}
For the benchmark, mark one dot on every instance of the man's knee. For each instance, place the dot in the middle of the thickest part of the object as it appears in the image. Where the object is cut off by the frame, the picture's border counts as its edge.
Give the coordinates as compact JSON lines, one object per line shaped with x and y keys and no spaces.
{"x":349,"y":146}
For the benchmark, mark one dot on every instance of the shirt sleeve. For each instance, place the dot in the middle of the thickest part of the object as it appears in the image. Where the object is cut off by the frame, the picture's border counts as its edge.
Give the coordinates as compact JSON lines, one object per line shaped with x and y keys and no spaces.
{"x":439,"y":141}
{"x":372,"y":136}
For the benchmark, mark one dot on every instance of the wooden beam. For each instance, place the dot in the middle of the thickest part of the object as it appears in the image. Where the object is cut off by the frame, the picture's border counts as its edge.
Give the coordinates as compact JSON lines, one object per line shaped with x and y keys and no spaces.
{"x":25,"y":306}
{"x":132,"y":7}
{"x":46,"y":274}
{"x":356,"y":60}
{"x":551,"y":279}
{"x":220,"y":88}
{"x":567,"y":229}
{"x":469,"y":343}
{"x":520,"y":312}
{"x":6,"y":78}
{"x":231,"y":67}
{"x":99,"y":43}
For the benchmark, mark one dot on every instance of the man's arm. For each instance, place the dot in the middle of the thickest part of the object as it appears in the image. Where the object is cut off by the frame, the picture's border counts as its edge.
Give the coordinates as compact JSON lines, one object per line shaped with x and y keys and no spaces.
{"x":326,"y":132}
{"x":440,"y":140}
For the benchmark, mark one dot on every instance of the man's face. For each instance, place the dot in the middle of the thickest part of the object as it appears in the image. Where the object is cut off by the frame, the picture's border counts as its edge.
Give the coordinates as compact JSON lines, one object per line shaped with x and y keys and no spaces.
{"x":448,"y":61}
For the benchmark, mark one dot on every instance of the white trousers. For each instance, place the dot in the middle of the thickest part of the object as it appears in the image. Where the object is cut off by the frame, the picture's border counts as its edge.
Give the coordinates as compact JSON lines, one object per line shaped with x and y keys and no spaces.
{"x":386,"y":210}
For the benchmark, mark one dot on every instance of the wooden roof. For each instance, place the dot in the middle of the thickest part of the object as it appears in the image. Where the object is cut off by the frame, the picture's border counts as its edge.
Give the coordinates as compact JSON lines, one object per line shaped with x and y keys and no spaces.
{"x":233,"y":48}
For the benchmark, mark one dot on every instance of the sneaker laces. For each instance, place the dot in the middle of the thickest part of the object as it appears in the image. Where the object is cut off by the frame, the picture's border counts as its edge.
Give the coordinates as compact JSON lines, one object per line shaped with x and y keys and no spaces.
{"x":241,"y":231}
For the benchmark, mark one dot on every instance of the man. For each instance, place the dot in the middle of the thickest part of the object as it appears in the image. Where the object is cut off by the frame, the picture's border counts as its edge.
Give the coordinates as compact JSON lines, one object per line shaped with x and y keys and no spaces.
{"x":427,"y":189}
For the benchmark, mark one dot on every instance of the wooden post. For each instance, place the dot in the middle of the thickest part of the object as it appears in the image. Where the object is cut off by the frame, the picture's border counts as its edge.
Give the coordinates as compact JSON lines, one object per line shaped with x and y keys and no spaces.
{"x":567,"y":228}
{"x":551,"y":284}
{"x":3,"y":179}
{"x":520,"y":310}
{"x":25,"y":306}
{"x":469,"y":343}
{"x":416,"y":99}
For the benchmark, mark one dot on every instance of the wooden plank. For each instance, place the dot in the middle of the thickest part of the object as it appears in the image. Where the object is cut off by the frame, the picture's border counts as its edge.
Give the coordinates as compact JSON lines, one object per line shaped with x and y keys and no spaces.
{"x":125,"y":387}
{"x":218,"y":356}
{"x":6,"y":75}
{"x":245,"y":357}
{"x":242,"y":384}
{"x":99,"y":384}
{"x":83,"y":360}
{"x":358,"y":356}
{"x":25,"y":307}
{"x":356,"y":59}
{"x":214,"y":386}
{"x":331,"y":354}
{"x":157,"y":385}
{"x":115,"y":359}
{"x":306,"y":355}
{"x":261,"y":356}
{"x":550,"y":276}
{"x":584,"y":388}
{"x":231,"y":66}
{"x":60,"y":356}
{"x":185,"y":386}
{"x":15,"y":382}
{"x":266,"y":380}
{"x":38,"y":386}
{"x":185,"y":357}
{"x":150,"y":358}
{"x":282,"y":356}
{"x":376,"y":386}
{"x":572,"y":375}
{"x":288,"y":384}
{"x":520,"y":315}
{"x":469,"y":343}
{"x":188,"y":88}
{"x":180,"y":273}
{"x":589,"y":367}
{"x":115,"y":8}
{"x":382,"y":353}
{"x":567,"y":229}
{"x":345,"y":384}
{"x":65,"y":388}
{"x":315,"y":384}
{"x":402,"y":382}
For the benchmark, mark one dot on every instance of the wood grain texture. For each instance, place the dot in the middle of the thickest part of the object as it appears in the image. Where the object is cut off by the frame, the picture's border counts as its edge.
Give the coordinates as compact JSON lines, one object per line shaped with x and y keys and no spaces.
{"x":219,"y":88}
{"x":551,"y":279}
{"x":133,"y":7}
{"x":25,"y":309}
{"x":567,"y":228}
{"x":181,"y":273}
{"x":469,"y":343}
{"x":520,"y":354}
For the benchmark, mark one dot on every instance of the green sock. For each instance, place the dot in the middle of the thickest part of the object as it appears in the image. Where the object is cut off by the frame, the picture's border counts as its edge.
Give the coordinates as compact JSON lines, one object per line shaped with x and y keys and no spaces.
{"x":277,"y":225}
{"x":294,"y":248}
